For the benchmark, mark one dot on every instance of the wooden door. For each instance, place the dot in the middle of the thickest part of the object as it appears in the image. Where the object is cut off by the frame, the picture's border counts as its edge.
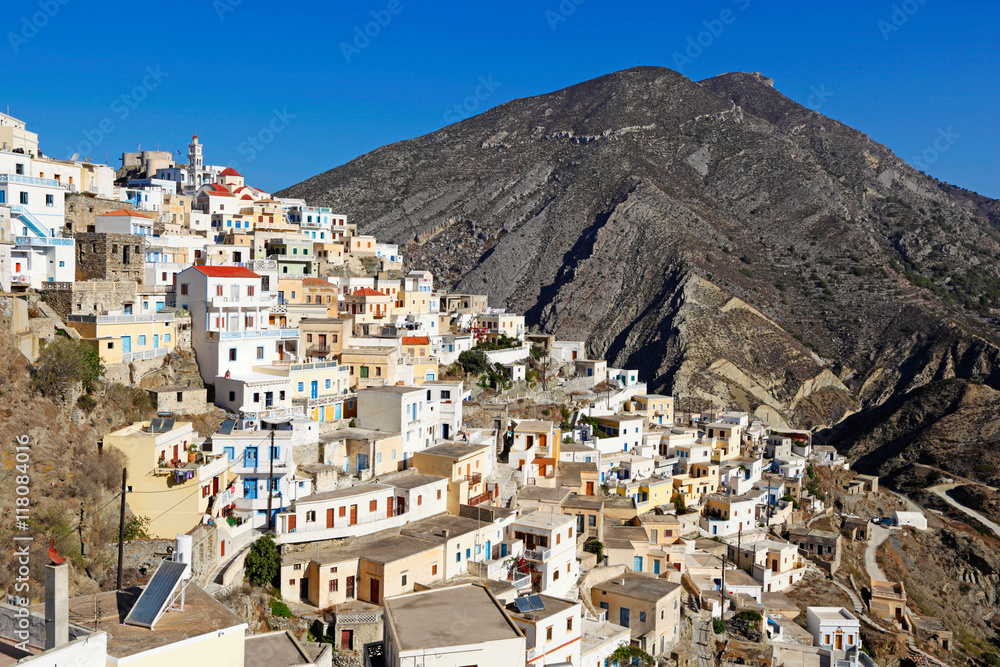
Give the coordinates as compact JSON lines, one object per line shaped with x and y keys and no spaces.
{"x":329,"y":518}
{"x":388,"y":505}
{"x":375,"y":592}
{"x":291,"y":523}
{"x":590,"y":488}
{"x":354,"y":515}
{"x":346,"y":640}
{"x":350,"y":588}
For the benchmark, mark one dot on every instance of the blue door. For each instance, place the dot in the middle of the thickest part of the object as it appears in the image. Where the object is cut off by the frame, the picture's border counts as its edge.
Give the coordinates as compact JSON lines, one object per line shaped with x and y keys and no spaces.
{"x":637,"y":563}
{"x":656,"y":567}
{"x":337,"y":410}
{"x":489,"y":550}
{"x":362,"y":462}
{"x":126,"y":344}
{"x":314,"y":389}
{"x":623,"y":619}
{"x":156,"y":341}
{"x":250,"y":488}
{"x":230,"y":453}
{"x":250,"y":457}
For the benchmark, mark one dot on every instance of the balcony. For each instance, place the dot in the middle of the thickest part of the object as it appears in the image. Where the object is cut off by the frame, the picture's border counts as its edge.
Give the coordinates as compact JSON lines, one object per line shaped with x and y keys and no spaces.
{"x":29,"y":180}
{"x":41,"y":241}
{"x":318,"y":351}
{"x":538,"y":555}
{"x":205,"y":467}
{"x":474,"y":478}
{"x":256,"y":301}
{"x":139,"y":355}
{"x":479,"y":499}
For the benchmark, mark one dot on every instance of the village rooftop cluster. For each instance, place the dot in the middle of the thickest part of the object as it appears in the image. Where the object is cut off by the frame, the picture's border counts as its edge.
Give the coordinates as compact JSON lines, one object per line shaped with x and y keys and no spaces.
{"x":421,"y":519}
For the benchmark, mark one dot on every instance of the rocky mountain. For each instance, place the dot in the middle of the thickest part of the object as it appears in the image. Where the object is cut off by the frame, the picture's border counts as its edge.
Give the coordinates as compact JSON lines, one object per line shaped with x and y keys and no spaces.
{"x":736,"y":247}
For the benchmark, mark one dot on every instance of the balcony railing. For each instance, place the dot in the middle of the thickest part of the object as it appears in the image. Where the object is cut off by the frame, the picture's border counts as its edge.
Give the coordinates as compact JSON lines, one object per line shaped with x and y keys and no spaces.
{"x":319,"y":350}
{"x":480,"y":499}
{"x":538,"y":555}
{"x":474,"y":478}
{"x":520,"y":581}
{"x":30,"y":180}
{"x":39,"y":241}
{"x":139,"y":355}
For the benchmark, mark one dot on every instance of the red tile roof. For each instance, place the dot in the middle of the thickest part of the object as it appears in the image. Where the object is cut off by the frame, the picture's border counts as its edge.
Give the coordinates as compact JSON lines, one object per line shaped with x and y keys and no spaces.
{"x":229,"y":171}
{"x":247,"y":197}
{"x":367,"y":291}
{"x":316,"y":282}
{"x":227,"y":271}
{"x":219,"y":194}
{"x":217,"y":187}
{"x":125,"y":212}
{"x":415,"y":340}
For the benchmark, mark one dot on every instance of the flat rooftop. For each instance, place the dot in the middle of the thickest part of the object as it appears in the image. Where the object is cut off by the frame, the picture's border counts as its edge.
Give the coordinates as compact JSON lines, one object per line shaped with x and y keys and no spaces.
{"x":408,"y":480}
{"x":350,"y":433}
{"x":430,"y":528}
{"x":443,"y":617}
{"x":382,"y":547}
{"x":596,"y":634}
{"x":640,"y":587}
{"x":399,"y":390}
{"x":551,"y":605}
{"x":349,"y":492}
{"x":544,"y":520}
{"x":276,"y":649}
{"x":202,"y":615}
{"x":838,"y":614}
{"x":454,"y":450}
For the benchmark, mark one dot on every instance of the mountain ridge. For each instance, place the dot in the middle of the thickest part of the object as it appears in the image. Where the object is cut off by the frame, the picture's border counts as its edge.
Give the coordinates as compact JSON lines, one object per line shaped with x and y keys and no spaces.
{"x":627,"y":210}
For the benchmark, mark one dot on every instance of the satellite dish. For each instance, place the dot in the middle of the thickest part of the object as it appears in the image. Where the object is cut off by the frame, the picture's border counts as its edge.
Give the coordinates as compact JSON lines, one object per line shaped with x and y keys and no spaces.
{"x":75,"y":157}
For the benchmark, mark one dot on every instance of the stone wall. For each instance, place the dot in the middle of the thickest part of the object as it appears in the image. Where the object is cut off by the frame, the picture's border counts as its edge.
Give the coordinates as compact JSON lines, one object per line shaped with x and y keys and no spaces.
{"x":82,"y":211}
{"x":192,"y":400}
{"x":89,"y":298}
{"x":145,"y":555}
{"x":110,"y":256}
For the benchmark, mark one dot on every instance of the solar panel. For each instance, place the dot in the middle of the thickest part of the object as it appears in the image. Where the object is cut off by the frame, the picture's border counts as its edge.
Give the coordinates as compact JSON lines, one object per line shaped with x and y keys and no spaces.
{"x":154,"y":598}
{"x":167,"y":425}
{"x":227,"y":426}
{"x":522,"y":605}
{"x":154,"y":426}
{"x":536,"y":603}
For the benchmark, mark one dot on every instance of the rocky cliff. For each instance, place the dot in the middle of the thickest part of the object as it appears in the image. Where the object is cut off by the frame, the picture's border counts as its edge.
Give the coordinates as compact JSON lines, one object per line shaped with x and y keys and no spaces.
{"x":736,"y":247}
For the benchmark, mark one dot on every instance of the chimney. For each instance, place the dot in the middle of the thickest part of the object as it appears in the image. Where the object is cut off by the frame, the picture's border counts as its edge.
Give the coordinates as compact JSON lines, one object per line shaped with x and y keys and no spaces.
{"x":56,"y":605}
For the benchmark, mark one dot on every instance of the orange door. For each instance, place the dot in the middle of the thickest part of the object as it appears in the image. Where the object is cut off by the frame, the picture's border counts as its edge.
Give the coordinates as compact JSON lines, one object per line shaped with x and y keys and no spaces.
{"x":329,"y":518}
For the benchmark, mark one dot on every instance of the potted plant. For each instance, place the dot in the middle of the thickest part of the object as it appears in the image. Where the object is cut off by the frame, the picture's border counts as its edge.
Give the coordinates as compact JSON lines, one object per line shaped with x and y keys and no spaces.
{"x":192,"y":452}
{"x":162,"y":463}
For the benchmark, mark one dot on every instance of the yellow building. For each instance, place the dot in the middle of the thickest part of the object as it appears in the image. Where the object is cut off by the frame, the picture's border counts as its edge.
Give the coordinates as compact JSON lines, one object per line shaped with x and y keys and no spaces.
{"x":658,"y":410}
{"x":692,"y":486}
{"x":126,"y":338}
{"x":465,"y":466}
{"x":370,"y":366}
{"x":648,"y":606}
{"x":725,"y":440}
{"x":172,"y":482}
{"x":417,"y":353}
{"x":648,"y":493}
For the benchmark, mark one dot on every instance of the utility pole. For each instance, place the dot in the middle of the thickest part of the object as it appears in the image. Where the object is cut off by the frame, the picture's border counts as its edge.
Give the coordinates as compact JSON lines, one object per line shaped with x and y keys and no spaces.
{"x":79,"y":530}
{"x":722,"y":591}
{"x":121,"y":530}
{"x":270,"y":476}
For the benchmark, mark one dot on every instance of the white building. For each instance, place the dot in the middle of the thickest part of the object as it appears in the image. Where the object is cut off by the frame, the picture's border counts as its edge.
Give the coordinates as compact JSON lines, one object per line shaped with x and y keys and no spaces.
{"x":450,"y":627}
{"x":229,"y":320}
{"x":833,"y":628}
{"x":550,"y":549}
{"x":123,"y":221}
{"x":552,"y":629}
{"x":410,"y":411}
{"x":912,"y":519}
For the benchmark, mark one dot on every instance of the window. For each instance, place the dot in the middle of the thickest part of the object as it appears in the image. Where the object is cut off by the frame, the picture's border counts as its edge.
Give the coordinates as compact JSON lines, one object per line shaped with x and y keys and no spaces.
{"x":642,"y":617}
{"x":328,"y":383}
{"x":232,"y":396}
{"x":256,"y":397}
{"x":420,"y":500}
{"x":555,"y":576}
{"x":166,"y":338}
{"x":50,"y":200}
{"x":404,"y":580}
{"x":372,"y":506}
{"x":24,"y":197}
{"x":333,"y":585}
{"x":569,"y":624}
{"x":250,"y":289}
{"x":218,"y":290}
{"x":301,"y":386}
{"x":260,"y":352}
{"x":19,"y":168}
{"x":342,"y":512}
{"x":232,"y":354}
{"x":439,"y":494}
{"x":548,"y":634}
{"x":311,"y":515}
{"x":558,"y":538}
{"x":142,"y":339}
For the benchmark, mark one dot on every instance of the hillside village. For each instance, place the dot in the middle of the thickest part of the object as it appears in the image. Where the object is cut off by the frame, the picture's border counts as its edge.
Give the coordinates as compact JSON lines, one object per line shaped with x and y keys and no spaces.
{"x":443,"y":485}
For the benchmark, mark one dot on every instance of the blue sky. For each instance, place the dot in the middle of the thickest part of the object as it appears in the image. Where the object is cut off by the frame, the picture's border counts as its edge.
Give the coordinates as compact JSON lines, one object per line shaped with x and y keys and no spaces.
{"x":286,"y":95}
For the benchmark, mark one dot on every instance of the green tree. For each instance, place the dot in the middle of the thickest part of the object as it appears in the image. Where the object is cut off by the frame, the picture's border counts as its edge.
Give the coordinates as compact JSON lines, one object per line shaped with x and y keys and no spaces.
{"x":64,"y":362}
{"x":474,"y":362}
{"x":718,"y":625}
{"x":137,"y":528}
{"x":262,"y":561}
{"x":624,"y":655}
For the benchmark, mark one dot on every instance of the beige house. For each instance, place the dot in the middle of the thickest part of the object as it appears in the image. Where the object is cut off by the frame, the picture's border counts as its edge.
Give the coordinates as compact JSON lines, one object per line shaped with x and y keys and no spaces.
{"x":466,"y":468}
{"x":888,"y":600}
{"x":127,"y":338}
{"x":370,"y":366}
{"x":648,"y":606}
{"x":172,"y":482}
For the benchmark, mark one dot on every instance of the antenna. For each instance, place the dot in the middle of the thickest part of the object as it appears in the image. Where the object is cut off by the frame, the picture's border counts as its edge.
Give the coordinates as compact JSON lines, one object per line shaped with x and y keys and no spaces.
{"x":75,"y":157}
